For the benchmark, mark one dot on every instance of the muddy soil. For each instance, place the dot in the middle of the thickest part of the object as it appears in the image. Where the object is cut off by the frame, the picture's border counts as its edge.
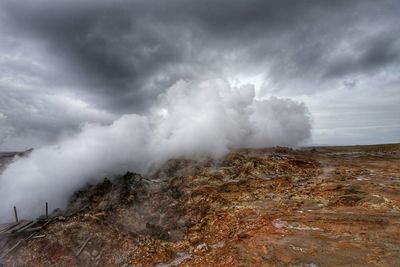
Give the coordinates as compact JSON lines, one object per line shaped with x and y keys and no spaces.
{"x":325,"y":206}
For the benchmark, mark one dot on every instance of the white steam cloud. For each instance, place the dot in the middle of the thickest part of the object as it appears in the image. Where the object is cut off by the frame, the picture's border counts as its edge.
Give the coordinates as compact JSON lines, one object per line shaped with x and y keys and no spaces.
{"x":190,"y":119}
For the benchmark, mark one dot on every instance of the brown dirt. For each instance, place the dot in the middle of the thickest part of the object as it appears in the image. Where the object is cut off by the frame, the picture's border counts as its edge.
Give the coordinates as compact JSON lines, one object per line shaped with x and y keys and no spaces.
{"x":328,"y":206}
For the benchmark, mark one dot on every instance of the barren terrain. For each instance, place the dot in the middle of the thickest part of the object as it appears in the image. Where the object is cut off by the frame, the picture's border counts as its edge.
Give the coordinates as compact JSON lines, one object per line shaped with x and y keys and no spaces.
{"x":322,"y":206}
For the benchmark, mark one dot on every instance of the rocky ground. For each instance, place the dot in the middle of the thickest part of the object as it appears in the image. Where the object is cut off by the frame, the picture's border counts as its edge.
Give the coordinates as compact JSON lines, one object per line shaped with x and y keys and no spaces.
{"x":323,"y":206}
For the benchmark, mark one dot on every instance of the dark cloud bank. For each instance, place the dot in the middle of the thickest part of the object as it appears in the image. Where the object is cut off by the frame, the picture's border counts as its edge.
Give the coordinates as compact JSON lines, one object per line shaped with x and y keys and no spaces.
{"x":160,"y":74}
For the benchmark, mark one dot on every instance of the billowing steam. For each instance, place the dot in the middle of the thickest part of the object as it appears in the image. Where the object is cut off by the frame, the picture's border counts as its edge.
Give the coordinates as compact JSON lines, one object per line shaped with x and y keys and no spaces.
{"x":190,"y":119}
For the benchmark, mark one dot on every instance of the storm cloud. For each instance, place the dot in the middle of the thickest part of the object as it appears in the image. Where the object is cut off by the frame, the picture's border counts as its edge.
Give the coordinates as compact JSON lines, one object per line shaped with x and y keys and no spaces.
{"x":116,"y":57}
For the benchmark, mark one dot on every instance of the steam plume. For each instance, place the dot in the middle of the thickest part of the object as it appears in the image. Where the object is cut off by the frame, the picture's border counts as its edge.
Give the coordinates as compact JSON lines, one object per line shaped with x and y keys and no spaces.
{"x":190,"y":119}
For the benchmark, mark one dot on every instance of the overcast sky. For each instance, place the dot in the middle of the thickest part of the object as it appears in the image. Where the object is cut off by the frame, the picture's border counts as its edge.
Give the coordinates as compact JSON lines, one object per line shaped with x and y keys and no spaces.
{"x":64,"y":63}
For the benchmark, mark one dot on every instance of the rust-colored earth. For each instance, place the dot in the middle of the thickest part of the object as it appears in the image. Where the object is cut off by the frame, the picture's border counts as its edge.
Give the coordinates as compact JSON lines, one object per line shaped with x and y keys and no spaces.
{"x":325,"y":206}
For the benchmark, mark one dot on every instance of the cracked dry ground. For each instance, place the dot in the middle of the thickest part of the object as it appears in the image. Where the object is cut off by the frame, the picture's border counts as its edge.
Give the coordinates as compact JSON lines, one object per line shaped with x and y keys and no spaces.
{"x":271,"y":207}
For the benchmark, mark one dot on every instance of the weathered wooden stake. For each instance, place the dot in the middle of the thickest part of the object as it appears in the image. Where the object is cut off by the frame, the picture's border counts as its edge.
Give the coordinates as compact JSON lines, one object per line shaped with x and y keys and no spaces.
{"x":47,"y":210}
{"x":16,"y":214}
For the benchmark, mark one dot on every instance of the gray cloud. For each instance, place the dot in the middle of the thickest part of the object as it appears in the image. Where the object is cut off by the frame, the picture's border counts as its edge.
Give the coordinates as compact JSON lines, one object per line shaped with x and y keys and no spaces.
{"x":118,"y":56}
{"x":372,"y":55}
{"x":39,"y":119}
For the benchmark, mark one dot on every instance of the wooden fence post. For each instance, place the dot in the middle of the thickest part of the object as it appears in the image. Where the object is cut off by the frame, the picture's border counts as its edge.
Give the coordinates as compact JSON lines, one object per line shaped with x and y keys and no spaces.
{"x":47,"y":210}
{"x":16,"y":214}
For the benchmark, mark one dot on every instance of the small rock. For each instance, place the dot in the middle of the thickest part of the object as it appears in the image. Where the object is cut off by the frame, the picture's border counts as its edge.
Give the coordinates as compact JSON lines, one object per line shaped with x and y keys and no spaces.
{"x":86,"y":254}
{"x":243,"y":235}
{"x":201,"y":248}
{"x":104,"y":205}
{"x":194,"y":238}
{"x":157,"y":231}
{"x":95,"y":253}
{"x":350,"y":199}
{"x":330,"y":187}
{"x":266,"y":257}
